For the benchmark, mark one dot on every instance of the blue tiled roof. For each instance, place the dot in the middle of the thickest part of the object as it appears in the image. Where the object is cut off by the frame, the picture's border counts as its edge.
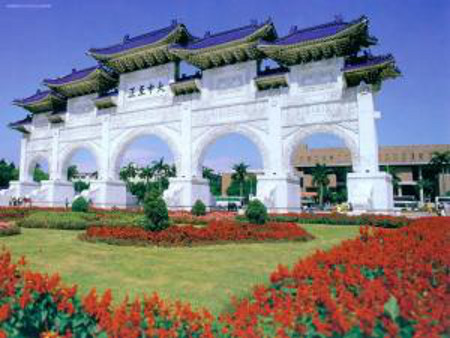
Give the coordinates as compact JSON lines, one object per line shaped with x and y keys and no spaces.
{"x":40,"y":95}
{"x":26,"y":120}
{"x":137,"y":41}
{"x":316,"y":32}
{"x":74,"y":76}
{"x":224,"y":37}
{"x":367,"y":61}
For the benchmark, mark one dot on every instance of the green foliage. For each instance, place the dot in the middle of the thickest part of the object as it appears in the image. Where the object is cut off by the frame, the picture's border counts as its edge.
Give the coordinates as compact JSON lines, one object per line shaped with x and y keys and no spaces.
{"x":80,"y":205}
{"x":248,"y":187}
{"x":79,"y":186}
{"x":72,"y":171}
{"x":256,"y":212}
{"x":59,"y":220}
{"x":215,"y":181}
{"x":8,"y":173}
{"x":199,"y":208}
{"x":39,"y":174}
{"x":320,"y":179}
{"x":239,"y":175}
{"x":155,"y":210}
{"x":9,"y":230}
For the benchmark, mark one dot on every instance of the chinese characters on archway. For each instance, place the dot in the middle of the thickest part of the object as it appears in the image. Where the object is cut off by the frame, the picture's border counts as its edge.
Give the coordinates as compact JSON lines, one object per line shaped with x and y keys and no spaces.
{"x":154,"y":88}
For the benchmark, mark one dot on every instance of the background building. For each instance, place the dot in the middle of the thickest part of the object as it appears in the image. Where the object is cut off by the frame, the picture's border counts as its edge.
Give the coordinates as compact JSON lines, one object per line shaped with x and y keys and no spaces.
{"x":408,"y":163}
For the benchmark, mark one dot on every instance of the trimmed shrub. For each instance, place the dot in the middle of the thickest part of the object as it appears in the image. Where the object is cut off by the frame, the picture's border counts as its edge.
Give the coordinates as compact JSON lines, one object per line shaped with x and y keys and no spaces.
{"x":199,"y":208}
{"x":256,"y":212}
{"x":63,"y":221}
{"x":80,"y":205}
{"x":155,"y":210}
{"x":8,"y":229}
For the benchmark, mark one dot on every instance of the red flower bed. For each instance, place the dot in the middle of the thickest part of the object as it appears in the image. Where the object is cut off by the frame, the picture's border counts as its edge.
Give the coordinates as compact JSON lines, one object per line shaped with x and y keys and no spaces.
{"x":214,"y":232}
{"x":185,"y":217}
{"x":386,"y":283}
{"x":8,"y":229}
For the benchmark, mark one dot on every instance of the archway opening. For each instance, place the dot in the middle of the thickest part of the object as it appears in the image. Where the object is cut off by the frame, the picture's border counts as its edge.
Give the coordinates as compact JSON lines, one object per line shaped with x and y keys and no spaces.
{"x":146,"y":163}
{"x":81,"y":168}
{"x":322,"y":161}
{"x":39,"y":170}
{"x":232,"y":164}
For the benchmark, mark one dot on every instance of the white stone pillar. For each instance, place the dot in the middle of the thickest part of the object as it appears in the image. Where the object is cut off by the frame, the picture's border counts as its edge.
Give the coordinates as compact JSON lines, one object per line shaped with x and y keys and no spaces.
{"x":54,"y":165}
{"x":24,"y":174}
{"x":106,"y":192}
{"x":189,"y":186}
{"x":278,"y":188}
{"x":369,"y":190}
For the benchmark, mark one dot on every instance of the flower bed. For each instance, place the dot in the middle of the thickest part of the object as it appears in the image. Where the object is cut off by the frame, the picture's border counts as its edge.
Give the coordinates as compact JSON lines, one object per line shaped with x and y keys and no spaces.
{"x":386,"y":283}
{"x":184,"y":217}
{"x":8,"y":229}
{"x":214,"y":232}
{"x":382,"y":221}
{"x":383,"y":284}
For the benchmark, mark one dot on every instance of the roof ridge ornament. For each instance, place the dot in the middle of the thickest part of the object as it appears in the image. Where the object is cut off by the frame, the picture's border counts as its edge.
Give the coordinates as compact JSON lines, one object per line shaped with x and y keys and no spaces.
{"x":338,"y":18}
{"x":207,"y":34}
{"x":293,"y":29}
{"x":174,"y":22}
{"x":126,"y":37}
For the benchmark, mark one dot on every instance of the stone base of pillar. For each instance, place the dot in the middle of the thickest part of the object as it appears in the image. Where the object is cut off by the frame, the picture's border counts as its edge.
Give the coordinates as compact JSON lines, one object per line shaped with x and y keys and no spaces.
{"x":53,"y":194}
{"x":183,"y":192}
{"x":370,"y":192}
{"x":107,"y":194}
{"x":17,"y":189}
{"x":279,"y":194}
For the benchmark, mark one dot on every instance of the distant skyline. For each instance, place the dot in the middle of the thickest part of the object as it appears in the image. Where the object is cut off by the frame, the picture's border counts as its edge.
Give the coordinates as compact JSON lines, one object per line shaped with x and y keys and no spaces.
{"x":42,"y":39}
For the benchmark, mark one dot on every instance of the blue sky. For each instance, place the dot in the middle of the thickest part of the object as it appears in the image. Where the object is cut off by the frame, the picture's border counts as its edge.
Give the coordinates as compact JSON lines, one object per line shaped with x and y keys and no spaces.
{"x":52,"y":38}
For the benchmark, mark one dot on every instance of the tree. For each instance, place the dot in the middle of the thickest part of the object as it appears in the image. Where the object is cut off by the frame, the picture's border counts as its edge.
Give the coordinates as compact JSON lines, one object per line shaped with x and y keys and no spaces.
{"x":39,"y":174}
{"x":128,"y":172}
{"x":440,"y":161}
{"x":427,"y":186}
{"x":79,"y":186}
{"x":239,"y":175}
{"x":156,"y":213}
{"x":215,"y":180}
{"x":395,"y":178}
{"x":146,"y":173}
{"x":72,"y":171}
{"x":8,"y":173}
{"x":320,"y":179}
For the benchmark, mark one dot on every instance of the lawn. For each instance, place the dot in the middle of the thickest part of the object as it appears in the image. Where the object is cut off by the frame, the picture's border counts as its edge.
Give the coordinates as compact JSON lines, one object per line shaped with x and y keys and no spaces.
{"x":204,"y":276}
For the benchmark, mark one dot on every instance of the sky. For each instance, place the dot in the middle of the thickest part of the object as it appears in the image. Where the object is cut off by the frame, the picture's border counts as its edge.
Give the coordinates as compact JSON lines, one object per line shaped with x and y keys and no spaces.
{"x":47,"y":38}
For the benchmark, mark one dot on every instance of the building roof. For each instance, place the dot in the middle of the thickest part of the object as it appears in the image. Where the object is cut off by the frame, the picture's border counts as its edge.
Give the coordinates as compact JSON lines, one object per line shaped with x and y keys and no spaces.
{"x":333,"y":39}
{"x":213,"y":40}
{"x":370,"y":69}
{"x":41,"y":101}
{"x":26,"y":120}
{"x":227,"y":47}
{"x":146,"y":50}
{"x":318,"y":32}
{"x":82,"y":82}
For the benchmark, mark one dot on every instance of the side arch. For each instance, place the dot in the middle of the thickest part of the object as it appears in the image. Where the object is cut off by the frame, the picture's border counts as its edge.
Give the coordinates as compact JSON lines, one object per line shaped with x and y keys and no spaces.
{"x":68,"y":152}
{"x":34,"y":159}
{"x":213,"y":134}
{"x":291,"y":144}
{"x":123,"y":142}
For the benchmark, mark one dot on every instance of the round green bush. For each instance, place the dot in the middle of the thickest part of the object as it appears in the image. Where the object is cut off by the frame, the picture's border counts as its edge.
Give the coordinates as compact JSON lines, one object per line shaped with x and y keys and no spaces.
{"x":155,"y":210}
{"x":80,"y":205}
{"x":199,"y":208}
{"x":256,"y":212}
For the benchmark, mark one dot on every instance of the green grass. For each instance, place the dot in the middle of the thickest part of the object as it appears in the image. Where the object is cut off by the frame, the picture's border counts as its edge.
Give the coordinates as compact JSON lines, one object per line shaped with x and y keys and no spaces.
{"x":204,"y":276}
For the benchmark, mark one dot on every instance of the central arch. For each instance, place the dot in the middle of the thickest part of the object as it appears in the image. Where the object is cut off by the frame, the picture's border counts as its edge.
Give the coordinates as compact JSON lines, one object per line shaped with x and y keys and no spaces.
{"x":129,"y":137}
{"x":212,"y":135}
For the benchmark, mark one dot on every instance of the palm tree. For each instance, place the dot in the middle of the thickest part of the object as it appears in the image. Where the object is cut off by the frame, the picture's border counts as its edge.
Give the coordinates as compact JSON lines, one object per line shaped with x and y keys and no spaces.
{"x":207,"y":173}
{"x":239,"y":175}
{"x":320,"y":179}
{"x":130,"y":171}
{"x":440,"y":161}
{"x":72,"y":171}
{"x":146,"y":173}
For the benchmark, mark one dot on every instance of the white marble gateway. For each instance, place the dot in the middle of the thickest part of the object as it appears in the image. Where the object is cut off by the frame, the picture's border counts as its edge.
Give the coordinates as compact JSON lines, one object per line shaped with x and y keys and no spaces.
{"x":276,"y":110}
